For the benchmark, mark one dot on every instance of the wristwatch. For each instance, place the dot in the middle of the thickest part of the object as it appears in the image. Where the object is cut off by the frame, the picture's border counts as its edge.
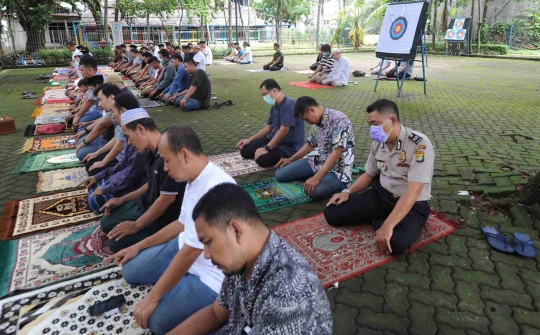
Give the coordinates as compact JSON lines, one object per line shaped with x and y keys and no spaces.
{"x":346,"y":191}
{"x":84,"y":141}
{"x":267,"y":148}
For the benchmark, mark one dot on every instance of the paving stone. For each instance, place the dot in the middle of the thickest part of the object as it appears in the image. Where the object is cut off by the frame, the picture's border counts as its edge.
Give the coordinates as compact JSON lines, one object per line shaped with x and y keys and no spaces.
{"x":520,"y":216}
{"x":408,"y":279}
{"x":513,"y":260}
{"x":434,"y":298}
{"x":526,"y":330}
{"x":533,"y":289}
{"x":469,"y":298}
{"x":508,"y":297}
{"x":384,"y":321}
{"x":353,"y":284}
{"x":509,"y":278}
{"x":518,"y":180}
{"x":495,"y":219}
{"x":448,"y":206}
{"x":499,"y":192}
{"x":469,"y":216}
{"x":421,"y":317}
{"x":396,"y":299}
{"x":506,"y":174}
{"x":503,"y":182}
{"x":456,"y":246}
{"x":447,"y":330}
{"x":438,"y":247}
{"x":360,"y":300}
{"x":451,"y":261}
{"x":480,"y":260}
{"x":484,"y":179}
{"x":476,"y":278}
{"x":374,"y":281}
{"x":462,"y":320}
{"x":417,"y":262}
{"x":344,"y":320}
{"x":525,"y":317}
{"x":367,"y":331}
{"x":532,"y":276}
{"x":441,"y":279}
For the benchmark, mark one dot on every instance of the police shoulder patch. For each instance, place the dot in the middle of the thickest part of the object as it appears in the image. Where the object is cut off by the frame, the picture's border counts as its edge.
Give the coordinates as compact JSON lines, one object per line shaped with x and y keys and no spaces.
{"x":415,"y":138}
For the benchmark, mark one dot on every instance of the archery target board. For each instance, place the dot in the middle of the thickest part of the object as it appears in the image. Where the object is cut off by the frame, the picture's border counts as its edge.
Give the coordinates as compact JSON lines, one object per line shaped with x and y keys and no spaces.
{"x":400,"y":32}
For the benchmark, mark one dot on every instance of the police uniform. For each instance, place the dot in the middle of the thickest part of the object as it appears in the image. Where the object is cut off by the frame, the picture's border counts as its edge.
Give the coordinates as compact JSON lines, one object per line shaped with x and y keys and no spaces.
{"x":411,"y":160}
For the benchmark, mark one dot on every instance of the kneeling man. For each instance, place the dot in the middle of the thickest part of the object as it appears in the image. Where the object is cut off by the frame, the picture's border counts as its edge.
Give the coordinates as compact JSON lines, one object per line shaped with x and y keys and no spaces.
{"x":399,"y":170}
{"x":269,"y":287}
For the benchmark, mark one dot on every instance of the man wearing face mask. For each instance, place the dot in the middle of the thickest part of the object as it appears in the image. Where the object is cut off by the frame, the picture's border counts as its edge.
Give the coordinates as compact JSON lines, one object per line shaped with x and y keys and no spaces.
{"x":399,"y":170}
{"x":284,"y":133}
{"x":325,"y":65}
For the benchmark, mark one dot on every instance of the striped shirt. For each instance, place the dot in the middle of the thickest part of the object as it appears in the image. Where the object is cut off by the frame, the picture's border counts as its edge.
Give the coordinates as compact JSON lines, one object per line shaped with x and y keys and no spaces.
{"x":328,"y":62}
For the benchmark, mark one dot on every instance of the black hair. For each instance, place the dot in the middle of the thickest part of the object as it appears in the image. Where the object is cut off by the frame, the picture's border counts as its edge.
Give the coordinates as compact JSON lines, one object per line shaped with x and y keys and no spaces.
{"x":276,"y":45}
{"x":147,"y":123}
{"x":134,"y":50}
{"x":82,"y":82}
{"x":107,"y":90}
{"x":177,"y":57}
{"x":71,"y":44}
{"x":185,"y":46}
{"x":303,"y":104}
{"x":145,"y":48}
{"x":168,"y":44}
{"x":88,"y":61}
{"x":236,"y":43}
{"x":147,"y":54}
{"x":180,"y":137}
{"x":177,"y":48}
{"x":270,"y":84}
{"x":161,"y":45}
{"x":152,"y":59}
{"x":226,"y":202}
{"x":247,"y":44}
{"x":384,"y":107}
{"x":133,"y":46}
{"x":84,"y":50}
{"x":95,"y":80}
{"x":190,"y":61}
{"x":164,"y":53}
{"x":122,"y":46}
{"x":326,"y":47}
{"x":202,"y":42}
{"x":189,"y":44}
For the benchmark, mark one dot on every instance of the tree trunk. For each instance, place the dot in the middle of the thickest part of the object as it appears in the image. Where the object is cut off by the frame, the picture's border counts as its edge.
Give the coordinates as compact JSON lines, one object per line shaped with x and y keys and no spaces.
{"x":530,"y":193}
{"x":116,"y":13}
{"x":147,"y":28}
{"x":279,"y":23}
{"x":180,"y":25}
{"x":230,"y":23}
{"x":242,"y":19}
{"x":318,"y":37}
{"x":434,"y":25}
{"x":11,"y":31}
{"x":105,"y":22}
{"x":249,"y":8}
{"x":444,"y":18}
{"x":471,"y":24}
{"x":209,"y":39}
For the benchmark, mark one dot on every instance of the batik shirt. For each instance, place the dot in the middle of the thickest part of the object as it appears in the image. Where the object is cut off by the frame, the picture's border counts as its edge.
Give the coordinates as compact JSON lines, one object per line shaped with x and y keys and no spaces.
{"x":334,"y":131}
{"x":283,"y":296}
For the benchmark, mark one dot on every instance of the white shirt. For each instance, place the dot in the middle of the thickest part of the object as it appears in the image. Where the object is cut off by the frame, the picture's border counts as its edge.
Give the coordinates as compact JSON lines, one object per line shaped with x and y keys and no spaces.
{"x":156,"y":52}
{"x":211,"y":176}
{"x":199,"y":57}
{"x":208,"y":57}
{"x":341,"y":70}
{"x":247,"y":54}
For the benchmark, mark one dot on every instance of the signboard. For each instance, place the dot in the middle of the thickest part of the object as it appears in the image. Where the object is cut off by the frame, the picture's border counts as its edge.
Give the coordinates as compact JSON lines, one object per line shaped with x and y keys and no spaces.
{"x":118,"y":37}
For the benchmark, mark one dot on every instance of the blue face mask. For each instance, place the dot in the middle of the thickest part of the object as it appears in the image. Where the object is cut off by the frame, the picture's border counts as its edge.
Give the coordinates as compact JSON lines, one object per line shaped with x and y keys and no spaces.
{"x":161,"y":61}
{"x":377,"y":133}
{"x":269,"y":100}
{"x":324,"y":54}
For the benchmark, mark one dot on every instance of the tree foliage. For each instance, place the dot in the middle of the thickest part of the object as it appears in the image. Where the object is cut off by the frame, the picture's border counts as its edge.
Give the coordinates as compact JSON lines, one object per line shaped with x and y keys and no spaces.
{"x":362,"y":14}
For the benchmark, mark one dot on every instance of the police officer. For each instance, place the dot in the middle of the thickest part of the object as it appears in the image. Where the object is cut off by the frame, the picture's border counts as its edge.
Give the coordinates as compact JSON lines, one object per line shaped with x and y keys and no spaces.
{"x":399,"y":170}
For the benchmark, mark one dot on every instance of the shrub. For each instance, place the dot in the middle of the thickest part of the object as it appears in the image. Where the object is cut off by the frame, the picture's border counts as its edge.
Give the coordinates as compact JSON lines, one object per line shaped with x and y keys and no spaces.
{"x":63,"y":56}
{"x":220,"y":51}
{"x":493,"y":49}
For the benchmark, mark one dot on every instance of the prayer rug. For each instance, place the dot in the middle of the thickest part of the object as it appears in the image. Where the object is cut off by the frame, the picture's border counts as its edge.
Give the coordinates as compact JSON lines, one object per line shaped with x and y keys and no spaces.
{"x":59,"y":77}
{"x":36,"y":112}
{"x":270,"y":195}
{"x":338,"y":254}
{"x":38,"y":161}
{"x":46,"y":212}
{"x":309,"y":85}
{"x":259,"y":70}
{"x":54,"y":111}
{"x":58,"y":83}
{"x":33,"y":130}
{"x":235,"y":165}
{"x":304,"y":72}
{"x":54,"y":96}
{"x":136,"y":93}
{"x":225,"y":63}
{"x":129,"y":83}
{"x":46,"y":119}
{"x":49,"y":143}
{"x":147,"y":103}
{"x":26,"y":313}
{"x":42,"y":259}
{"x":61,"y":179}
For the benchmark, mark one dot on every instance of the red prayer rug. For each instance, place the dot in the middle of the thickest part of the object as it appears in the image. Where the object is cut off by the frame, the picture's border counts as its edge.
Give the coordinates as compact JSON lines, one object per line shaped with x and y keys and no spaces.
{"x":309,"y":85}
{"x":338,"y":254}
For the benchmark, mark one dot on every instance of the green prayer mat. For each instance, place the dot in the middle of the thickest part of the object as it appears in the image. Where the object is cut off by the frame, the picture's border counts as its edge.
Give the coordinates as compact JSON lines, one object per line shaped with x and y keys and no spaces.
{"x":38,"y":162}
{"x":270,"y":195}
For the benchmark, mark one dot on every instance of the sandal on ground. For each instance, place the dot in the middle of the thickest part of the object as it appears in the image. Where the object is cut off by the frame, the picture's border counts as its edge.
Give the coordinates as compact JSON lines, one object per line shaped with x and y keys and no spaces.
{"x":497,"y":240}
{"x":357,"y":169}
{"x":228,"y":103}
{"x":524,"y":246}
{"x":217,"y":105}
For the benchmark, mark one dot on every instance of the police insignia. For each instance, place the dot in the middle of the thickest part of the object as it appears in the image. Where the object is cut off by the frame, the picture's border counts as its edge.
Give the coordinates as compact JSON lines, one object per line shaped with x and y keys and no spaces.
{"x":398,"y":145}
{"x":419,"y":156}
{"x":402,"y":157}
{"x":420,"y":147}
{"x":415,"y":138}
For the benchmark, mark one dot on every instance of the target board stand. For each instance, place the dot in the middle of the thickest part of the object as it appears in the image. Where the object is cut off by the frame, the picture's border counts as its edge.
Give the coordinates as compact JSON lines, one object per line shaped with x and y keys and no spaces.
{"x":401,"y":35}
{"x":458,"y":38}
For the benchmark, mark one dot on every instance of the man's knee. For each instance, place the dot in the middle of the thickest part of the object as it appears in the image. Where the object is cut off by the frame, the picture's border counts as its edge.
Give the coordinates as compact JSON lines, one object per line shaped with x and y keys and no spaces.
{"x":246,"y":152}
{"x":131,"y":271}
{"x":159,"y":324}
{"x":266,"y":67}
{"x":116,"y":246}
{"x":333,"y":216}
{"x":281,"y":175}
{"x":107,"y":224}
{"x":264,"y":162}
{"x":398,"y":246}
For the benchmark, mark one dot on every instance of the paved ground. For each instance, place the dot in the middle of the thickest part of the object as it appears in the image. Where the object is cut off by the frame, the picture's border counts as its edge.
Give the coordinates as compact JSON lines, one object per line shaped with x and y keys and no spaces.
{"x":456,"y":285}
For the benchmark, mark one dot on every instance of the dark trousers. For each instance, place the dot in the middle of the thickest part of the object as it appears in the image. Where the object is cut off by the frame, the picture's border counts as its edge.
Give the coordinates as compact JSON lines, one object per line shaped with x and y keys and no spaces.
{"x":314,"y":66}
{"x":373,"y":206}
{"x":129,"y":211}
{"x":392,"y":74}
{"x":154,"y":96}
{"x":268,"y":160}
{"x":272,"y":67}
{"x":98,"y":159}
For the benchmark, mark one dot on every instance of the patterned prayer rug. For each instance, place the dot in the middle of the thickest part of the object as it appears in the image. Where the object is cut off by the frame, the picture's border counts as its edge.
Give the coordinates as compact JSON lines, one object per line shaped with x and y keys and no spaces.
{"x":338,"y":254}
{"x":55,"y":118}
{"x":60,"y":179}
{"x":136,"y":93}
{"x":49,"y":144}
{"x":270,"y":195}
{"x":147,"y":103}
{"x":129,"y":83}
{"x":235,"y":165}
{"x":23,"y":315}
{"x":46,"y":212}
{"x":37,"y":161}
{"x":54,"y":96}
{"x":36,"y":112}
{"x":58,"y":255}
{"x":34,"y":130}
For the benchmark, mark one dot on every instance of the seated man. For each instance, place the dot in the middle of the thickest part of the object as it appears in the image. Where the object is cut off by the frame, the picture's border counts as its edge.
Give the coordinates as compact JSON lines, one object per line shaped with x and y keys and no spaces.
{"x":386,"y":66}
{"x":398,"y":202}
{"x":315,"y":65}
{"x":198,"y":94}
{"x":141,"y":213}
{"x":239,"y":53}
{"x":150,"y":84}
{"x":255,"y":260}
{"x":277,"y":61}
{"x":400,"y":72}
{"x":246,"y":57}
{"x":207,"y":52}
{"x":168,"y":72}
{"x":129,"y":173}
{"x":198,"y":57}
{"x":284,"y":133}
{"x":90,"y":109}
{"x":188,"y":53}
{"x":330,"y":170}
{"x":233,"y":53}
{"x":172,"y":260}
{"x":325,"y":65}
{"x":179,"y":84}
{"x":340,"y":71}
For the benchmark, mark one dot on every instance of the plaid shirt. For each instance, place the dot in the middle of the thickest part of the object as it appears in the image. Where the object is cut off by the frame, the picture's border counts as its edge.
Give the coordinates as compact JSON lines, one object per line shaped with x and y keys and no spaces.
{"x":283,"y":296}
